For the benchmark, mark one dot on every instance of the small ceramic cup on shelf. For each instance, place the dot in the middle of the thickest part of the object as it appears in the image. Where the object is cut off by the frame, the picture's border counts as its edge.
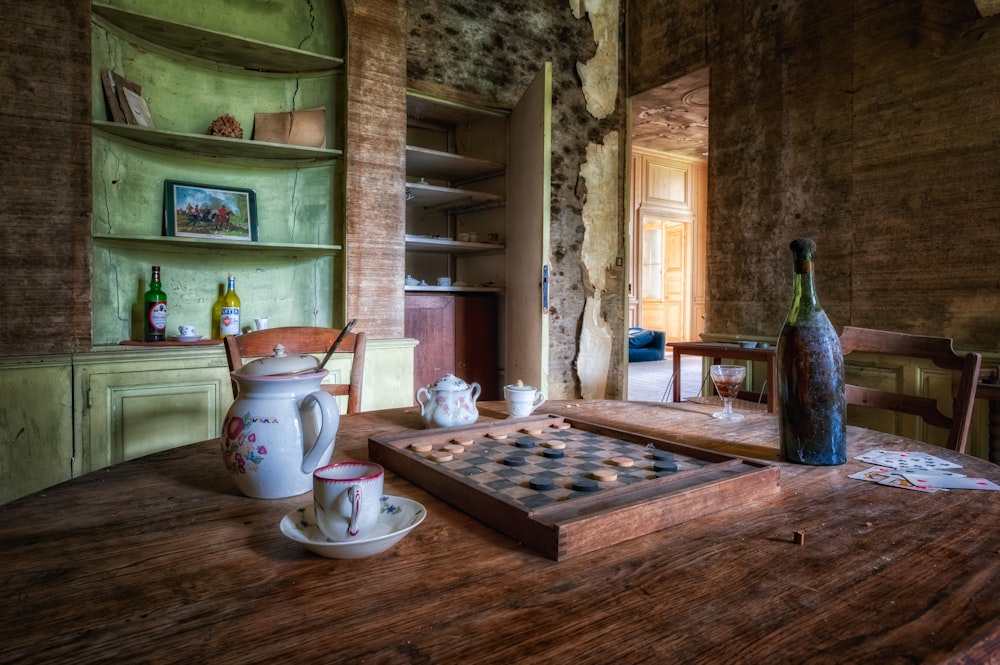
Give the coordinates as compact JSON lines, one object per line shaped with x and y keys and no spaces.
{"x":444,"y":281}
{"x":187,"y":330}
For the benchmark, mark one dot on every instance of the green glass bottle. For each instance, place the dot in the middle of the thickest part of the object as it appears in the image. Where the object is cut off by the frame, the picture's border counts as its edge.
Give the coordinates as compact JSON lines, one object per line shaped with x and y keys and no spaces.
{"x":154,"y":327}
{"x":812,"y":405}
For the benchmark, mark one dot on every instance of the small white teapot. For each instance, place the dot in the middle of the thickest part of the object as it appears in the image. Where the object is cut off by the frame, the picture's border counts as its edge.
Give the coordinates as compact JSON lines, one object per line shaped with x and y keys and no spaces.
{"x":449,"y":401}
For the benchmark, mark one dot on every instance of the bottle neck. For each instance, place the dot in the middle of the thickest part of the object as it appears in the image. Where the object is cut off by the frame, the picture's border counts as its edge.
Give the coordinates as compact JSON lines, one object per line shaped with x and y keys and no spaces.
{"x":803,"y":289}
{"x":232,"y":283}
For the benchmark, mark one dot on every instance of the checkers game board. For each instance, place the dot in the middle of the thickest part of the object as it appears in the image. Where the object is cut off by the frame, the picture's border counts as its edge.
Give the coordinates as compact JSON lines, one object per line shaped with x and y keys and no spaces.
{"x":565,"y":487}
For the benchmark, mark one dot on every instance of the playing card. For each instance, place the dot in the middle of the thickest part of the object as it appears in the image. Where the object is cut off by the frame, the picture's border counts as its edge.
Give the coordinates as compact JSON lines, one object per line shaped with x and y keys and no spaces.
{"x":949,"y":482}
{"x":886,"y":476}
{"x":904,"y":460}
{"x":873,"y":474}
{"x":896,"y":480}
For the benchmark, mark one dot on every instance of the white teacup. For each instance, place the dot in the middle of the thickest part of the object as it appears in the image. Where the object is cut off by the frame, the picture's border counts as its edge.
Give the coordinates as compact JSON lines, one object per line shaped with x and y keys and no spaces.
{"x":522,"y":400}
{"x":186,"y":331}
{"x":347,"y":497}
{"x":444,"y":281}
{"x":261,"y":322}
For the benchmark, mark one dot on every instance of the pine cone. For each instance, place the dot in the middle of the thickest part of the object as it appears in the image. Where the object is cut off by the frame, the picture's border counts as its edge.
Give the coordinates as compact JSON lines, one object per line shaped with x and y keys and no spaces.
{"x":226,"y":125}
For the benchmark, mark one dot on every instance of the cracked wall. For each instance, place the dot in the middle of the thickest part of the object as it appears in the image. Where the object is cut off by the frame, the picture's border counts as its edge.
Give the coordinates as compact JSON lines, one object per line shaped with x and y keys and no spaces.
{"x":490,"y":51}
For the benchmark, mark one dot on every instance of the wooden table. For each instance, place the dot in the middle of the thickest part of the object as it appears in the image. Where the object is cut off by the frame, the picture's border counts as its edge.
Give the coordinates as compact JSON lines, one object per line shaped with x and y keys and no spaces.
{"x":717,"y":351}
{"x":160,"y":559}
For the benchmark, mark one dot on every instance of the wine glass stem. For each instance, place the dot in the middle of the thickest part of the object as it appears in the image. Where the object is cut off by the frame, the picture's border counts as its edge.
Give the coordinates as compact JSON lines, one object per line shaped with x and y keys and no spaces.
{"x":727,"y":405}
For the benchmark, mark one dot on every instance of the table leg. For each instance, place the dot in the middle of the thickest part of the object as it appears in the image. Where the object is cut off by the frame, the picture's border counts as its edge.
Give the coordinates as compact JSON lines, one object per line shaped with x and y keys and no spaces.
{"x":677,"y":376}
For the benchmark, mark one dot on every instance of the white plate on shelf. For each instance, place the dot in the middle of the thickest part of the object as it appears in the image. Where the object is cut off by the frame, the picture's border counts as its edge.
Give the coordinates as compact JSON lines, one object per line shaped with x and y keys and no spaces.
{"x":397,"y":518}
{"x":187,"y":338}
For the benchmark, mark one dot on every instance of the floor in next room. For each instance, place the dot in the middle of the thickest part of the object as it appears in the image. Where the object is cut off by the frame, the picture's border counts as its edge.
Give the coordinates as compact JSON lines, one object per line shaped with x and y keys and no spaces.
{"x":651,"y":381}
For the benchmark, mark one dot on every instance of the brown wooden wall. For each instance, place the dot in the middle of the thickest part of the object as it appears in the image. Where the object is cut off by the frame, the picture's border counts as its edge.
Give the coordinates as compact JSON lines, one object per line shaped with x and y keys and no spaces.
{"x":45,"y":198}
{"x":837,"y":121}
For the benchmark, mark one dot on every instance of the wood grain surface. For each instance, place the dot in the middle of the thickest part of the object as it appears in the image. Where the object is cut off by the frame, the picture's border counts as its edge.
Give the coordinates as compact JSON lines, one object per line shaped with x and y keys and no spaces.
{"x":160,"y":559}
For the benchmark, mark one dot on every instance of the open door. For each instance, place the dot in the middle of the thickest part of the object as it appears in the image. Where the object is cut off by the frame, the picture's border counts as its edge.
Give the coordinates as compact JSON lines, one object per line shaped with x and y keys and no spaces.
{"x":529,"y":163}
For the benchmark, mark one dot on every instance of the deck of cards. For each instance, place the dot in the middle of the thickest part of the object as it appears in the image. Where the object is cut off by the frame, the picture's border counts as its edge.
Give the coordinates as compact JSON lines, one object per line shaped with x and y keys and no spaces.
{"x":917,"y":471}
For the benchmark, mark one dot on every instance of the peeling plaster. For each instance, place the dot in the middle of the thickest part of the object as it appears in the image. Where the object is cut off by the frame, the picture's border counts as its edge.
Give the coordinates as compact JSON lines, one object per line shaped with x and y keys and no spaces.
{"x":600,"y":73}
{"x":600,"y":247}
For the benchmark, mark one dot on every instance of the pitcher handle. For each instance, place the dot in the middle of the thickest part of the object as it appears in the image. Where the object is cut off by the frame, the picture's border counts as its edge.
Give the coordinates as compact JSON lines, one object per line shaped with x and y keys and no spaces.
{"x":328,"y":430}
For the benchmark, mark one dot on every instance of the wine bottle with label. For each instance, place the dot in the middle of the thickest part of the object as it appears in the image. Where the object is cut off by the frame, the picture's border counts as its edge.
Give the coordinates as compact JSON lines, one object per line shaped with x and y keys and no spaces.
{"x":229,"y":320}
{"x":154,"y":328}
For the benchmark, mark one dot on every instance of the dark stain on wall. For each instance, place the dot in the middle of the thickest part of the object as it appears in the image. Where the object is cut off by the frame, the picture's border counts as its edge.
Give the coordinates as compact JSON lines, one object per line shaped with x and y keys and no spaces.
{"x":491,"y":50}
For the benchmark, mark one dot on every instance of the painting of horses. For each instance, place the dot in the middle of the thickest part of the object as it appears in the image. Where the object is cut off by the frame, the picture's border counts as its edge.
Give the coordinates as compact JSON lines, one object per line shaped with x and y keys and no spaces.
{"x":207,"y":211}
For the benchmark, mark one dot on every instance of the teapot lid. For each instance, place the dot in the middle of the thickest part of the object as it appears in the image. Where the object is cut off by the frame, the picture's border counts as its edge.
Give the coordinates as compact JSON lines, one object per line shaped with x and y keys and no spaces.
{"x":281,"y":363}
{"x":449,"y":382}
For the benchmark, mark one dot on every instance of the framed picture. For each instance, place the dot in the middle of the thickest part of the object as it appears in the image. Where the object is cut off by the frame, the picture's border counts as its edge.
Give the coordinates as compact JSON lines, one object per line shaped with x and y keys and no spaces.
{"x":209,"y":211}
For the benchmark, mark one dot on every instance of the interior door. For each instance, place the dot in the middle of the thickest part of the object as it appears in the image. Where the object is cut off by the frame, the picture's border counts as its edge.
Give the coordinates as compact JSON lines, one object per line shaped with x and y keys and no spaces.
{"x":529,"y":161}
{"x":675,"y":241}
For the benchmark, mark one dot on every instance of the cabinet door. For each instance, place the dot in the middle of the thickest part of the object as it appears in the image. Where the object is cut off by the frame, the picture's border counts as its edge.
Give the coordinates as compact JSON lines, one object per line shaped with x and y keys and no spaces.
{"x":477,"y":338}
{"x":528,"y":197}
{"x":430,"y":319}
{"x":36,"y":424}
{"x":131,"y":414}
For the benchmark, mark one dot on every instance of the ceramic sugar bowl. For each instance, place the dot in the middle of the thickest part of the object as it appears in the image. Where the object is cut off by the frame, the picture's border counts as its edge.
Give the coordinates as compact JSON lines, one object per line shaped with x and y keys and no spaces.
{"x":281,"y":427}
{"x":449,"y":401}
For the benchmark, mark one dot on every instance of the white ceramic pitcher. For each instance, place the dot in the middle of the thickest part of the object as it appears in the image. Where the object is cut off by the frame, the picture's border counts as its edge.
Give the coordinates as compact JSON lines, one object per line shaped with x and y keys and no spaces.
{"x":280,"y":429}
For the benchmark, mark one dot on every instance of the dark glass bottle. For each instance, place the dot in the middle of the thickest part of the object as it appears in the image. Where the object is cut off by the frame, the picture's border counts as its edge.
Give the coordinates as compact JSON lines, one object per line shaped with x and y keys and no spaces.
{"x":154,"y":328}
{"x":811,"y":401}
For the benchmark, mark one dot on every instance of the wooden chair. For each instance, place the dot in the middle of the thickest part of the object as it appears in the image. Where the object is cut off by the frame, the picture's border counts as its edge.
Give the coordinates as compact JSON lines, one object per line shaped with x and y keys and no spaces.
{"x":939,"y":350}
{"x":304,"y":339}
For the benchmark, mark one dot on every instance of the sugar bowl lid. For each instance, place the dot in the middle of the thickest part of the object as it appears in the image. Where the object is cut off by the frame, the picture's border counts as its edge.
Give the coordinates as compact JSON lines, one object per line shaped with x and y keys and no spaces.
{"x":448,"y":382}
{"x":280,"y":364}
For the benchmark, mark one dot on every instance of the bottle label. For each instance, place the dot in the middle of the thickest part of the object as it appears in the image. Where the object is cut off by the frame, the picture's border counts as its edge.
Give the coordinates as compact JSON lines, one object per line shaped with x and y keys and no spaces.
{"x":157,"y":316}
{"x":229,"y":323}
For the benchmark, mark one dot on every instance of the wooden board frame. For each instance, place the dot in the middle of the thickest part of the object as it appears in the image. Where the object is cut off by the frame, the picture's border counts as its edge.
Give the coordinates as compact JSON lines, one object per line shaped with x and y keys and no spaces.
{"x":590,"y":522}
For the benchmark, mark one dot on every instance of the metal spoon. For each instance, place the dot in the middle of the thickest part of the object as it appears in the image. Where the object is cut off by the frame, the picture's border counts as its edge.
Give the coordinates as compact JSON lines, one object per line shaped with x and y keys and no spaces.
{"x":336,"y":342}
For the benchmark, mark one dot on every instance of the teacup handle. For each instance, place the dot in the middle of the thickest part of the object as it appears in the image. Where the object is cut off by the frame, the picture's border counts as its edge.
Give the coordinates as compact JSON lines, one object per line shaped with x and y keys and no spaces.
{"x":354,"y":495}
{"x":539,"y":398}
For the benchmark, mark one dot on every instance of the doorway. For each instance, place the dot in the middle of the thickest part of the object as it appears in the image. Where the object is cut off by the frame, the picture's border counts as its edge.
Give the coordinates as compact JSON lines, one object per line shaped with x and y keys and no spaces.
{"x":669,"y":207}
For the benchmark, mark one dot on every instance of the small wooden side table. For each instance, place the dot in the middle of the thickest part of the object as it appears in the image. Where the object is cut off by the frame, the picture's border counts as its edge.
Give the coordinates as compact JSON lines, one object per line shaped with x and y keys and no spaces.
{"x":717,"y":351}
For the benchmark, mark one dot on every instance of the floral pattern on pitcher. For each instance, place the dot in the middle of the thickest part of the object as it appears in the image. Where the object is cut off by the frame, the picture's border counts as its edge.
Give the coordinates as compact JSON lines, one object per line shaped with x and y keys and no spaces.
{"x":240,"y":450}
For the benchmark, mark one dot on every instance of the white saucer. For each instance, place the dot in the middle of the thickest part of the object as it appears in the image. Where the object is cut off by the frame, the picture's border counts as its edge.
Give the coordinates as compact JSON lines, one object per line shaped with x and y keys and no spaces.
{"x":187,"y":338}
{"x":397,"y":518}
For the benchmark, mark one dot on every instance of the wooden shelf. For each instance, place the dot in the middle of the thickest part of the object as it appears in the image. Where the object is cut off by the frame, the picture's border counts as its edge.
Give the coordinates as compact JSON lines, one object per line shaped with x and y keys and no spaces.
{"x":216,"y":146}
{"x":451,"y":199}
{"x":185,"y":244}
{"x":427,"y":163}
{"x":416,"y":243}
{"x":453,"y":289}
{"x":220,"y":47}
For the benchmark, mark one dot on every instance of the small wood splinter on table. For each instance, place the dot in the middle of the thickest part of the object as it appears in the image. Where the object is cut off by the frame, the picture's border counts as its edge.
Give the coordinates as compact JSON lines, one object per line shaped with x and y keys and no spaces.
{"x":799,"y":537}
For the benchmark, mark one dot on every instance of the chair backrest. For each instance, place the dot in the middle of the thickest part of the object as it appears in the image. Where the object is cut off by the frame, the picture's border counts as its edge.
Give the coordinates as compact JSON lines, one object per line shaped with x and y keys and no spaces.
{"x":939,"y":350}
{"x":304,"y":339}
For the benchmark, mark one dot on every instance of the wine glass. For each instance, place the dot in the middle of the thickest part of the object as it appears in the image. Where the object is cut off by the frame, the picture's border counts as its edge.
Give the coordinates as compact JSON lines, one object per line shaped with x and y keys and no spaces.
{"x":728,"y":379}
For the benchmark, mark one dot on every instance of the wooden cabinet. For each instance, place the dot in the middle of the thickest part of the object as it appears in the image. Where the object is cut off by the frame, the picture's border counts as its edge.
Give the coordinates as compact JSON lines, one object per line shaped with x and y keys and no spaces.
{"x":477,"y":214}
{"x":36,"y":424}
{"x":458,"y":334}
{"x":195,"y":61}
{"x":131,"y":403}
